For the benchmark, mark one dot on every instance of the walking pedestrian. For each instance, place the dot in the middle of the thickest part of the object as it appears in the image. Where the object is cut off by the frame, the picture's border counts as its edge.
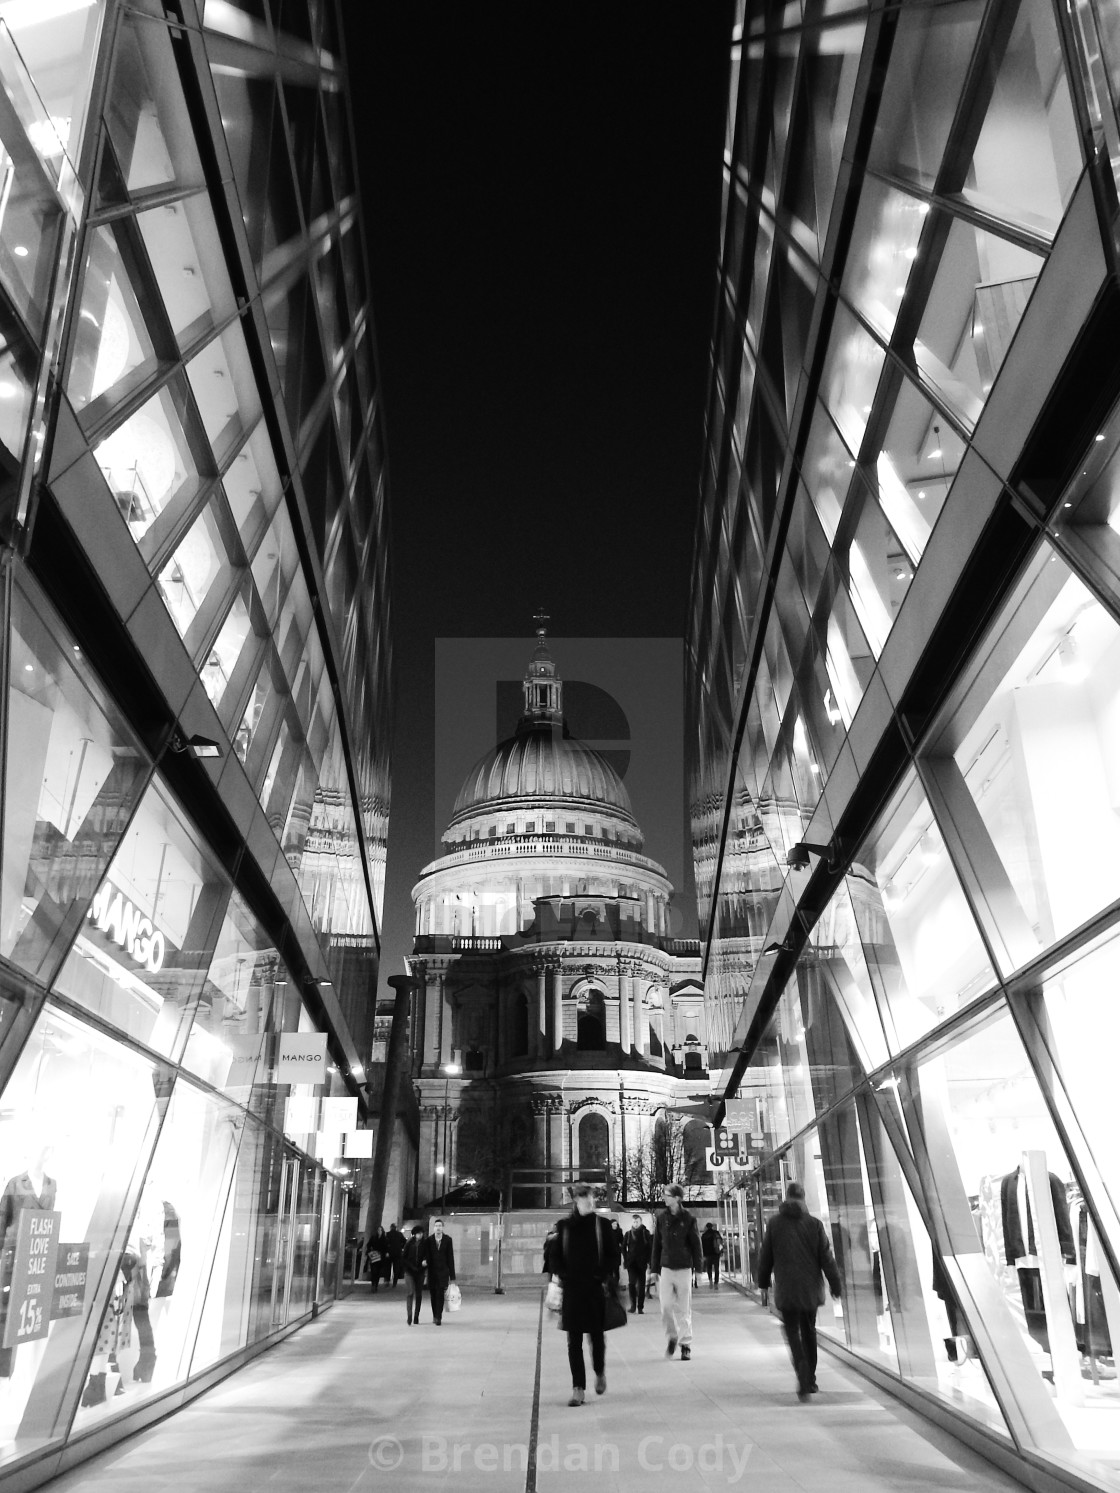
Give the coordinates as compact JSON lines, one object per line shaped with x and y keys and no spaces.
{"x":796,"y":1254}
{"x":711,"y":1246}
{"x":412,"y":1267}
{"x":616,"y":1230}
{"x":395,"y":1246}
{"x":439,"y":1254}
{"x":585,"y":1256}
{"x":636,"y":1245}
{"x":675,"y":1260}
{"x":377,"y":1255}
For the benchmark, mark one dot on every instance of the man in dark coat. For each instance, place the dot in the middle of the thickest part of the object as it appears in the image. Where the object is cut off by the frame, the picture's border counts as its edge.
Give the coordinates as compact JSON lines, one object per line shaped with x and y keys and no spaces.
{"x":394,"y":1244}
{"x":586,"y":1258}
{"x":796,"y":1253}
{"x":675,"y":1260}
{"x":711,"y":1243}
{"x":439,"y":1256}
{"x":637,"y":1243}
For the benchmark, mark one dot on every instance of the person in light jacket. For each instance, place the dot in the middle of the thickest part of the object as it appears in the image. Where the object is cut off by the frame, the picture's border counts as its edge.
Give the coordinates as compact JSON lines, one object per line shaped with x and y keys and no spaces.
{"x":796,"y":1254}
{"x":676,"y":1259}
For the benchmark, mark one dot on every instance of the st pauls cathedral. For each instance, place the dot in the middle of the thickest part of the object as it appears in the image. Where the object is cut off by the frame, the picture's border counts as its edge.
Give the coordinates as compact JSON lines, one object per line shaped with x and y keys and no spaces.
{"x":547,"y":975}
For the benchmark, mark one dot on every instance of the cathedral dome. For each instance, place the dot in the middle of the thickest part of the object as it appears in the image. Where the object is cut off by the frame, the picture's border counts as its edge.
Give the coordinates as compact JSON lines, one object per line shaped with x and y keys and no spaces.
{"x":544,"y":765}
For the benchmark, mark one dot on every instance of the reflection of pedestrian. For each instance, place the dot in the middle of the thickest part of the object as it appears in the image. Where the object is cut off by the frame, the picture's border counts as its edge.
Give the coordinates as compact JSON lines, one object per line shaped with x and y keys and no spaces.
{"x":440,"y":1257}
{"x":394,"y":1242}
{"x":675,"y":1261}
{"x":796,"y":1252}
{"x":711,"y":1245}
{"x":585,"y":1259}
{"x":412,"y":1267}
{"x":636,"y":1246}
{"x":377,"y":1257}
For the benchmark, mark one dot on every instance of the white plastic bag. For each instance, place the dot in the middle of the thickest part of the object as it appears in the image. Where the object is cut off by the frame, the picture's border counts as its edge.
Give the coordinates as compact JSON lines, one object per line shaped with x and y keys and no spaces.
{"x":454,"y":1297}
{"x":554,"y":1296}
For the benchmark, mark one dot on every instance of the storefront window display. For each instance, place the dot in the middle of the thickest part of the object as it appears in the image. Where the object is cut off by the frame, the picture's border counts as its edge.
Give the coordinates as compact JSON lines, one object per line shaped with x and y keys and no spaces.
{"x":79,"y":1119}
{"x":69,"y":791}
{"x":1049,"y":1301}
{"x":150,"y":1323}
{"x":141,"y":957}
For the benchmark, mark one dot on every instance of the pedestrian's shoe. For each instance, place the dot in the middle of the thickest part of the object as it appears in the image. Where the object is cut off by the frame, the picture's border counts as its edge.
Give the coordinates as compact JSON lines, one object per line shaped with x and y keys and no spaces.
{"x":671,"y":1347}
{"x":802,"y":1395}
{"x":814,"y":1388}
{"x":577,"y":1396}
{"x":410,"y":1321}
{"x":686,"y":1353}
{"x":600,"y":1384}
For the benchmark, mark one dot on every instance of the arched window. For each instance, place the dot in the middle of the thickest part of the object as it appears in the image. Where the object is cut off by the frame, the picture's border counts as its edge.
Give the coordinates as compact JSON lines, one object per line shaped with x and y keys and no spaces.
{"x":591,"y":1024}
{"x":521,"y":1026}
{"x":594,"y":1142}
{"x":692,"y":1057}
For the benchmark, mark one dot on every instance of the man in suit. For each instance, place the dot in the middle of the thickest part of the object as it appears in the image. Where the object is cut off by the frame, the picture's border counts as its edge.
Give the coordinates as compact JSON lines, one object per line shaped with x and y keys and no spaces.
{"x":440,"y":1257}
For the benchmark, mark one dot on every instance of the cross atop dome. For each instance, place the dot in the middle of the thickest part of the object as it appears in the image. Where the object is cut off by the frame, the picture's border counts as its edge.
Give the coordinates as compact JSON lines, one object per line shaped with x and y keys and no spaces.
{"x":542,"y":619}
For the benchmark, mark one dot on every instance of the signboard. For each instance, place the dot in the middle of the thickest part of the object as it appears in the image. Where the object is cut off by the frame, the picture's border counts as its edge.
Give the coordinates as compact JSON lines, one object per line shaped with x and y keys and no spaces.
{"x":302,"y":1058}
{"x":740,"y":1114}
{"x":301,"y":1115}
{"x":128,"y":927}
{"x":70,"y":1276}
{"x":716,"y":1160}
{"x":338,"y":1115}
{"x":358,"y":1143}
{"x":32,"y":1280}
{"x":729,"y":1141}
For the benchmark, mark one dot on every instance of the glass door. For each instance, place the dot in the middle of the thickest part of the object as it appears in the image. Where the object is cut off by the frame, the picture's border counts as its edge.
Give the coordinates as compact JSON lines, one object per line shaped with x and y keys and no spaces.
{"x":285,"y":1241}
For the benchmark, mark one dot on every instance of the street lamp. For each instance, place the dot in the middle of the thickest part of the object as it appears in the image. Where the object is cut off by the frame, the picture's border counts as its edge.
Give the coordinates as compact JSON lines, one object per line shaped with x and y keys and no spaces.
{"x":448,"y":1070}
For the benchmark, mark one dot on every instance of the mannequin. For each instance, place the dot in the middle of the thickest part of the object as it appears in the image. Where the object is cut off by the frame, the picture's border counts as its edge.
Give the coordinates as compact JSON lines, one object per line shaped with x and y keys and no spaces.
{"x":32,"y":1188}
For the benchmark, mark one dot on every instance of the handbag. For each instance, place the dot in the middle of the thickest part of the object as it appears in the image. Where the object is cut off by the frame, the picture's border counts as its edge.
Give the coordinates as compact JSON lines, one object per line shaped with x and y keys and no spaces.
{"x":554,"y":1296}
{"x":614,"y":1313}
{"x":454,"y":1298}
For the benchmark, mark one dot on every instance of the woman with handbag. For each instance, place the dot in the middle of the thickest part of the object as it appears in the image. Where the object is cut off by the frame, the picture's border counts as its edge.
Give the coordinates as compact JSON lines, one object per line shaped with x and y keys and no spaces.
{"x":586,"y":1258}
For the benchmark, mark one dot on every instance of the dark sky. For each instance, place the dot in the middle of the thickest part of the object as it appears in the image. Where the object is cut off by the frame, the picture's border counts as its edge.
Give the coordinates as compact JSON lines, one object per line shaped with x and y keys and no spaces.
{"x":541,"y":190}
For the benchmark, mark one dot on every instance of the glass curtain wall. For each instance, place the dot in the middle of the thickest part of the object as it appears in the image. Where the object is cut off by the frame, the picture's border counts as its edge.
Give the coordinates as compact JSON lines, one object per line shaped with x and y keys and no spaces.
{"x":904,"y":651}
{"x":194,"y":695}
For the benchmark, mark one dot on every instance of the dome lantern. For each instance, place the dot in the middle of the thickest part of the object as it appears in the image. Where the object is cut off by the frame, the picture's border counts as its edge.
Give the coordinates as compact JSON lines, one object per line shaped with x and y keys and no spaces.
{"x":542,"y":692}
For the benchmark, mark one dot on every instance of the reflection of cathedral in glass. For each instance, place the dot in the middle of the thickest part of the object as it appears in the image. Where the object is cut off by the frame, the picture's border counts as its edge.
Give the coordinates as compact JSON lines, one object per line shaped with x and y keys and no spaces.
{"x":548,"y":974}
{"x":904,"y":694}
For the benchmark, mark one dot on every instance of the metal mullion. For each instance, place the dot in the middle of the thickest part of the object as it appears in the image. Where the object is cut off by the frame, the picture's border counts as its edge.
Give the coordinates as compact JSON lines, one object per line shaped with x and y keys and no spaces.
{"x":209,"y":328}
{"x":207,"y":621}
{"x":239,"y":687}
{"x":988,"y":51}
{"x":959,"y":207}
{"x":161,"y":538}
{"x":125,"y":398}
{"x":142,"y":201}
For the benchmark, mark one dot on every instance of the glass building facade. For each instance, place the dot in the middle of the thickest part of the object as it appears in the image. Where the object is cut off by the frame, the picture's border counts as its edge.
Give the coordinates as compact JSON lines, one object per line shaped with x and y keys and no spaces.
{"x":904,"y":686}
{"x":194,"y":698}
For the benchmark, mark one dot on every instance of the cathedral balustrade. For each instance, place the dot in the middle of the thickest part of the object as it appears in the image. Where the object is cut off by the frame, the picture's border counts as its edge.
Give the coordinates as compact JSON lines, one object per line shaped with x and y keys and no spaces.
{"x":555,"y":846}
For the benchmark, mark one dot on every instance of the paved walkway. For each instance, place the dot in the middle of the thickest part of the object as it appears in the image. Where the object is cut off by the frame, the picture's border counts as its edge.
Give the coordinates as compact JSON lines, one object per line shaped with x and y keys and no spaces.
{"x":358,"y":1402}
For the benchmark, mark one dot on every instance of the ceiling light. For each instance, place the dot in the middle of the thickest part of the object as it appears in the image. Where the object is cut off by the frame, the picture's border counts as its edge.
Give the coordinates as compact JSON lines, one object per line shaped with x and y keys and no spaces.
{"x":922,"y":493}
{"x":1098,"y":437}
{"x":29,"y":668}
{"x":20,"y":251}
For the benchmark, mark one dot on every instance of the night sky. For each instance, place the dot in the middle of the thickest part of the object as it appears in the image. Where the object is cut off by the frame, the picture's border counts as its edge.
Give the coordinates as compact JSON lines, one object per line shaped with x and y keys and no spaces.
{"x":541,"y":190}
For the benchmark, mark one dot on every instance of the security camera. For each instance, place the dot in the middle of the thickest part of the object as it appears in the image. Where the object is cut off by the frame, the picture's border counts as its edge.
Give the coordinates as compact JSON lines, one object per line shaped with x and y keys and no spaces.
{"x":798,"y":858}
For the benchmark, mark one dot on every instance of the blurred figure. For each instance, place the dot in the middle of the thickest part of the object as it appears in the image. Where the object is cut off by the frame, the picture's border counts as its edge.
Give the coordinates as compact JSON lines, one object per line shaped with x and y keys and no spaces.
{"x":796,"y":1253}
{"x":637,"y":1243}
{"x":711,"y":1246}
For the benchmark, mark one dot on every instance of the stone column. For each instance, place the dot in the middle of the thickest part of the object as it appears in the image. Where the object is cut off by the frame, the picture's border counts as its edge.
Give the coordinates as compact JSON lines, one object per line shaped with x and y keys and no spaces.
{"x":625,"y":996}
{"x":557,"y":1007}
{"x":431,"y":1018}
{"x":641,"y":1021}
{"x":542,"y":1013}
{"x":445,"y":1030}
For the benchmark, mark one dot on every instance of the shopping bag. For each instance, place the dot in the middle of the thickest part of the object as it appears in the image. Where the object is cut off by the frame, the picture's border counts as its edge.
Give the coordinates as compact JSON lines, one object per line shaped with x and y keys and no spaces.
{"x":454,"y":1297}
{"x":554,"y":1296}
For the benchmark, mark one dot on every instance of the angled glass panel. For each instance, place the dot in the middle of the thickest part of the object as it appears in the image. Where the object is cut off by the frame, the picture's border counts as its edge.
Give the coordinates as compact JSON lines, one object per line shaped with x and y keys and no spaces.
{"x":58,"y":44}
{"x":147,"y":461}
{"x":238,"y":1009}
{"x":72,"y":779}
{"x":30,"y":222}
{"x":879,"y":572}
{"x":830,"y":64}
{"x":331,"y":876}
{"x":1028,"y":156}
{"x":274,"y":565}
{"x":246,"y":105}
{"x":981,"y":290}
{"x":826,"y":467}
{"x":915,"y":468}
{"x":923,"y":948}
{"x":149,"y":125}
{"x":18,"y":371}
{"x":259,"y":720}
{"x":253,"y":487}
{"x":199,"y":569}
{"x":228,"y":648}
{"x":884,"y":246}
{"x":929,"y":61}
{"x":189,"y":264}
{"x":225,"y":389}
{"x":1036,"y":745}
{"x":850,"y":376}
{"x":111,"y":338}
{"x":141,"y":957}
{"x":849,"y":661}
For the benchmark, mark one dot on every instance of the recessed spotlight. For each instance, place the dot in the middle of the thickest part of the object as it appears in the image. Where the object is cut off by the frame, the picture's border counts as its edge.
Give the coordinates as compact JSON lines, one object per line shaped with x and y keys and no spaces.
{"x":29,"y":668}
{"x":1067,"y":505}
{"x":20,"y":251}
{"x":1098,"y":437}
{"x":922,"y":493}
